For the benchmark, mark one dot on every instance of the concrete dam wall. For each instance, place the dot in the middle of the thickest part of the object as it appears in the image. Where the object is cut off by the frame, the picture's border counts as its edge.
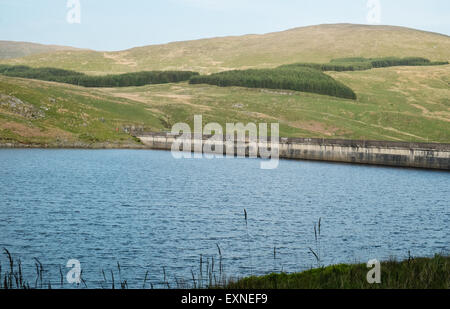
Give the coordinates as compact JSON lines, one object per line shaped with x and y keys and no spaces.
{"x":398,"y":154}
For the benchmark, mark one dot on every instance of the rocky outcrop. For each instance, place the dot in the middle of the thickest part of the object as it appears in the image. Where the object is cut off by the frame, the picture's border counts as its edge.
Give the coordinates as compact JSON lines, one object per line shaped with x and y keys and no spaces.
{"x":18,"y":107}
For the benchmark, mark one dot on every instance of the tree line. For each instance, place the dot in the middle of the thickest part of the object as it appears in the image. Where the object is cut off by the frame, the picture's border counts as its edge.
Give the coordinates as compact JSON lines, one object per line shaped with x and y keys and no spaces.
{"x":299,"y":79}
{"x":81,"y":79}
{"x":362,"y":64}
{"x":337,"y":67}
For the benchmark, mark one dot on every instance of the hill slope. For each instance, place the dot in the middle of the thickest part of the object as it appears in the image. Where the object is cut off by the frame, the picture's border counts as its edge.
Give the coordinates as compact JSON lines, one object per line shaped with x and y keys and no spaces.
{"x":307,"y":44}
{"x":10,"y":49}
{"x":398,"y":103}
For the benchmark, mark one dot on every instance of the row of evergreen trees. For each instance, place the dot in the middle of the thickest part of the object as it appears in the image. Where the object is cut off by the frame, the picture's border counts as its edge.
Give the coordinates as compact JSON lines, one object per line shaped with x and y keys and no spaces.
{"x":409,"y":61}
{"x":362,"y":64}
{"x":337,"y":67}
{"x":306,"y":77}
{"x":80,"y":79}
{"x":299,"y":79}
{"x":36,"y":73}
{"x":130,"y":79}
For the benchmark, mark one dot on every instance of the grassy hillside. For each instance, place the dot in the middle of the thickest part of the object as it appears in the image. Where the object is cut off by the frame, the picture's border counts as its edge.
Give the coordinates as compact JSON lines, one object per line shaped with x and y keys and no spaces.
{"x":397,"y":103}
{"x":60,"y":115}
{"x":401,"y":103}
{"x":9,"y":49}
{"x":308,"y":44}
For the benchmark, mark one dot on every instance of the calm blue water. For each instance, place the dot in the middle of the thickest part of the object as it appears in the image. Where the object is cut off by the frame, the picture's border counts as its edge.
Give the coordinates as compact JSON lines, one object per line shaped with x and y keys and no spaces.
{"x":147,"y":211}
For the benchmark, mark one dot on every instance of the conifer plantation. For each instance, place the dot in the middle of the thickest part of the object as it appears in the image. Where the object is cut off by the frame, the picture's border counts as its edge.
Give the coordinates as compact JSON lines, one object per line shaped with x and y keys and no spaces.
{"x":80,"y":79}
{"x":299,"y":79}
{"x":362,"y":64}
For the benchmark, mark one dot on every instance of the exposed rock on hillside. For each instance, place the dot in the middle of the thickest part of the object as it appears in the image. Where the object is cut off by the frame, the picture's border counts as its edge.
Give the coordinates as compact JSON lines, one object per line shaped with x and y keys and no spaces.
{"x":17,"y":106}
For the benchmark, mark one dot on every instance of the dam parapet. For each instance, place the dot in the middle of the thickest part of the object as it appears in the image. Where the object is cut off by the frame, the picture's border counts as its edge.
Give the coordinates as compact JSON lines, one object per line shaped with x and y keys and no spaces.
{"x":387,"y":153}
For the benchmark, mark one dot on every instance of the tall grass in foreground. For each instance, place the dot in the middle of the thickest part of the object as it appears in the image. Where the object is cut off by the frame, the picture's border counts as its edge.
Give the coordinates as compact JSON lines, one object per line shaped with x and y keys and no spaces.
{"x":299,"y":79}
{"x":317,"y":251}
{"x":414,"y":273}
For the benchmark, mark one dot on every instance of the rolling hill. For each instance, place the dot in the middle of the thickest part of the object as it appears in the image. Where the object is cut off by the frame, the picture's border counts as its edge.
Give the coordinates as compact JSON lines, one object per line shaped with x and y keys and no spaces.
{"x":396,"y":103}
{"x":10,"y":49}
{"x":307,"y":44}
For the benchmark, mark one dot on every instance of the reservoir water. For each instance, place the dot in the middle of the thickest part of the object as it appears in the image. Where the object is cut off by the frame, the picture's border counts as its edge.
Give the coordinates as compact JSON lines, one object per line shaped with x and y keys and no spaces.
{"x":149,"y":212}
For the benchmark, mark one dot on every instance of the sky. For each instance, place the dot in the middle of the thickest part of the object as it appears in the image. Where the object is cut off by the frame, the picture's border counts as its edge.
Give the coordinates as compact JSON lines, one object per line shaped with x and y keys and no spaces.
{"x":116,"y":24}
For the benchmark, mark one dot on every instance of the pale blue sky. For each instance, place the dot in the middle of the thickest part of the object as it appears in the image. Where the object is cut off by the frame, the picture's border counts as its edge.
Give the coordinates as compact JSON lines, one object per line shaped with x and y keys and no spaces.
{"x":118,"y":24}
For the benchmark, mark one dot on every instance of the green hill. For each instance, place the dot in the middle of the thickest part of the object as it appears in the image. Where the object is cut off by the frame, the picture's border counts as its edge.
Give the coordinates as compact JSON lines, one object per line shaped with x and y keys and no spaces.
{"x":402,"y":103}
{"x":307,"y":44}
{"x":10,"y":49}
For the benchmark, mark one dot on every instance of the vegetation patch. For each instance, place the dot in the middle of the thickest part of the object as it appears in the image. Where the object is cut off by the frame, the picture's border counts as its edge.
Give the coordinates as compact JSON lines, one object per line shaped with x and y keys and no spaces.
{"x":81,"y":79}
{"x":414,"y":273}
{"x":299,"y":79}
{"x":362,"y":64}
{"x":336,"y":66}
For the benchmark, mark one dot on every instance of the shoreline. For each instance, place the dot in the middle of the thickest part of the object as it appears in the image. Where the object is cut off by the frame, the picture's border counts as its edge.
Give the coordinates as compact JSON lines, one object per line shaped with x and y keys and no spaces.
{"x":75,"y":146}
{"x":428,"y":156}
{"x":432,"y":156}
{"x":412,"y":273}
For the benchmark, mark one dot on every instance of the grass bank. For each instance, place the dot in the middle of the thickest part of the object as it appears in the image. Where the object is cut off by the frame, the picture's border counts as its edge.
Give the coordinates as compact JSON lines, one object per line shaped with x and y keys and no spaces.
{"x":414,"y":273}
